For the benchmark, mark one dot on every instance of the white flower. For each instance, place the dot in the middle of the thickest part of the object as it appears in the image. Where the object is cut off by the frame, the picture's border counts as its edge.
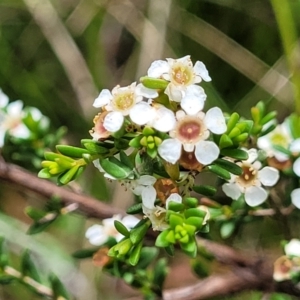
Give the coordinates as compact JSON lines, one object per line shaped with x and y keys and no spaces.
{"x":280,"y":136}
{"x":11,"y":122}
{"x":295,"y":196}
{"x":99,"y":234}
{"x":249,"y":183}
{"x":191,"y":132}
{"x":158,"y":116}
{"x":119,"y":103}
{"x":182,"y":76}
{"x":292,"y":248}
{"x":144,"y":187}
{"x":3,"y":99}
{"x":295,"y":148}
{"x":157,"y":214}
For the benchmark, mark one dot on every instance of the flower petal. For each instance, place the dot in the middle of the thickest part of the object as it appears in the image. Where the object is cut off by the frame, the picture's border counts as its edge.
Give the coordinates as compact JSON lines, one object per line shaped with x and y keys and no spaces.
{"x":295,"y":196}
{"x":292,"y":248}
{"x":104,"y":98}
{"x":206,"y":152}
{"x":193,"y":100}
{"x":158,"y":68}
{"x":296,"y":167}
{"x":231,"y":190}
{"x":3,"y":99}
{"x":96,"y":235}
{"x":113,"y":121}
{"x":170,"y":150}
{"x":164,"y":119}
{"x":141,"y":90}
{"x":215,"y":121}
{"x":255,"y":195}
{"x":149,"y":196}
{"x":252,"y":155}
{"x":14,"y":109}
{"x":146,"y":180}
{"x":268,"y":176}
{"x":174,"y":92}
{"x":295,"y":145}
{"x":200,"y":70}
{"x":130,"y":221}
{"x":141,"y":113}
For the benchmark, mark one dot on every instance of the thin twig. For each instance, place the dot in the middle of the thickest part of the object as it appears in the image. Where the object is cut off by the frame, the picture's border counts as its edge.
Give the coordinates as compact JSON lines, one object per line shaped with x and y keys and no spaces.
{"x":90,"y":206}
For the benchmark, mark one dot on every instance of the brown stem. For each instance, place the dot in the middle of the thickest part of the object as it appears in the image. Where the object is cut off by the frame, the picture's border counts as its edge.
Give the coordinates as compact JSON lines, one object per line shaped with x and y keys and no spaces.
{"x":88,"y":205}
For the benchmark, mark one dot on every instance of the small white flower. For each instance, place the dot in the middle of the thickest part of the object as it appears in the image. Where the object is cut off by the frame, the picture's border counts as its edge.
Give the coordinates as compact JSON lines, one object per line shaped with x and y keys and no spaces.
{"x":144,"y":187}
{"x":295,"y":196}
{"x":157,"y":214}
{"x":280,"y":136}
{"x":292,"y":248}
{"x":296,"y":167}
{"x":191,"y":133}
{"x":182,"y":76}
{"x":158,"y":116}
{"x":249,"y":183}
{"x":119,"y":103}
{"x":11,"y":122}
{"x":3,"y":99}
{"x":99,"y":234}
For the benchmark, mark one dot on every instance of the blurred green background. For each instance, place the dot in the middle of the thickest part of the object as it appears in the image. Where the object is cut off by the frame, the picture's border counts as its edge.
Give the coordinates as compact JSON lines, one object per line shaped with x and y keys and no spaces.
{"x":57,"y":55}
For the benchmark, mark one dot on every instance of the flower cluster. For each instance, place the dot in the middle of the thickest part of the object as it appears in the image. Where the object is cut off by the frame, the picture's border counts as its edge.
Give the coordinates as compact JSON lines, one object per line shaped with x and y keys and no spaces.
{"x":155,"y":137}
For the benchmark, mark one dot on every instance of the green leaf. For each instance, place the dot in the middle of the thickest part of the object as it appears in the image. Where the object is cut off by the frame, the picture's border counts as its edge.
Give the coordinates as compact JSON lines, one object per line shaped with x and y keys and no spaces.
{"x":38,"y":227}
{"x":68,"y":176}
{"x":148,"y":255}
{"x":135,"y":209}
{"x":175,"y":220}
{"x":220,"y":171}
{"x":125,"y":159}
{"x":233,"y":119}
{"x":44,"y":173}
{"x":175,"y":206}
{"x":121,"y":228}
{"x":28,"y":268}
{"x":154,"y":83}
{"x":85,"y":253}
{"x":195,"y":212}
{"x":268,"y":117}
{"x":161,"y":240}
{"x":71,"y":151}
{"x":268,"y":130}
{"x":135,"y":142}
{"x":195,"y":221}
{"x":199,"y":268}
{"x":189,"y":248}
{"x":227,"y":229}
{"x":170,"y":250}
{"x":160,"y":272}
{"x":206,"y":190}
{"x":282,"y":149}
{"x":138,"y":233}
{"x":94,"y":147}
{"x":234,"y":132}
{"x":117,"y":171}
{"x":135,"y":254}
{"x":121,"y":144}
{"x":3,"y":253}
{"x":191,"y":202}
{"x":34,"y":213}
{"x":240,"y":138}
{"x":235,"y":153}
{"x":6,"y":279}
{"x":229,"y":166}
{"x":58,"y":288}
{"x":225,"y":141}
